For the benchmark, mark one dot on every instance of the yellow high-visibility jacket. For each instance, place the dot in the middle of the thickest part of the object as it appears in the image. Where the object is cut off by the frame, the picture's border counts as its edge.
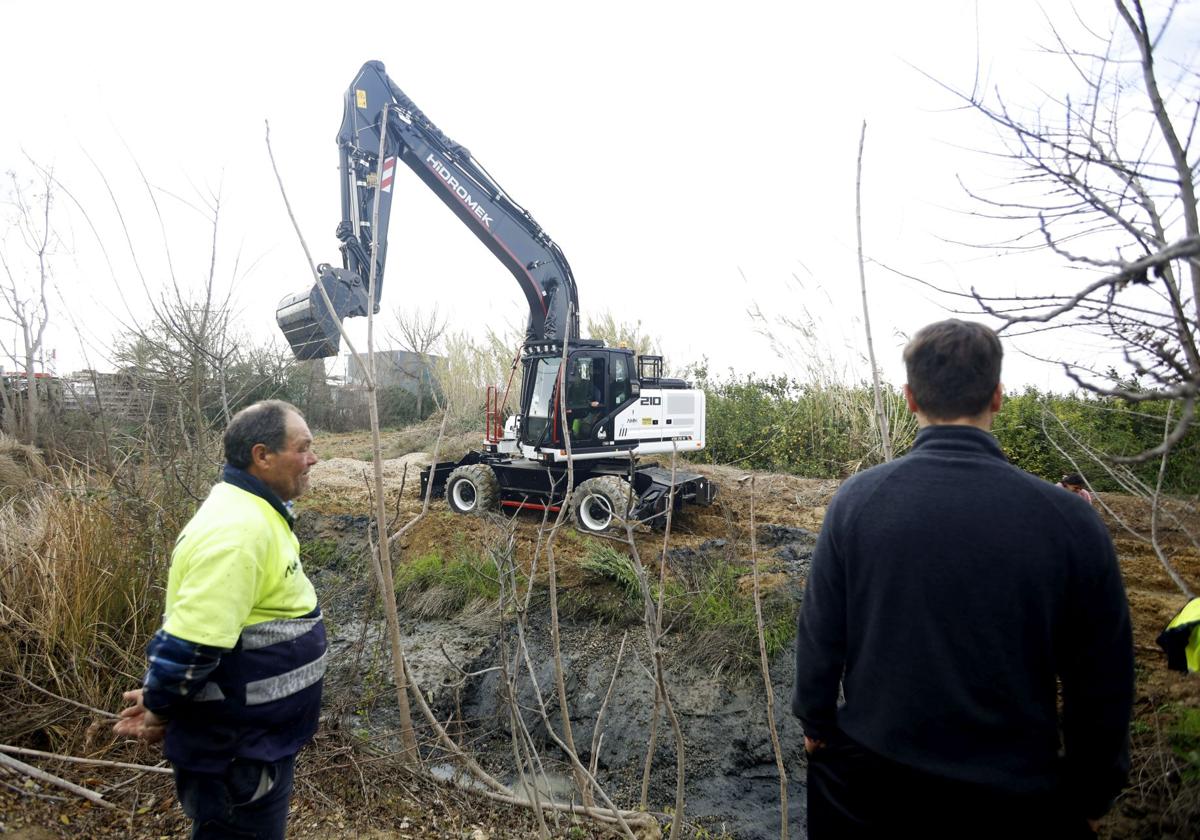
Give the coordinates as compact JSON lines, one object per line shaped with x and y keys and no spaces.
{"x":1181,"y":639}
{"x":236,"y":563}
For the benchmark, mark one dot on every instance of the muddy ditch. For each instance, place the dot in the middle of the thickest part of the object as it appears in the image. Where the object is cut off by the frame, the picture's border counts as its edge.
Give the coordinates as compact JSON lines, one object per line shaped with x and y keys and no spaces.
{"x":732,"y":784}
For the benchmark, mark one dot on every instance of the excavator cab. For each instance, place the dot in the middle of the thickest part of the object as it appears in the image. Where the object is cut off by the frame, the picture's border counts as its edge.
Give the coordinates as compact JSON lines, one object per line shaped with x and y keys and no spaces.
{"x":600,"y":382}
{"x":539,"y":397}
{"x":306,"y":320}
{"x":599,"y":385}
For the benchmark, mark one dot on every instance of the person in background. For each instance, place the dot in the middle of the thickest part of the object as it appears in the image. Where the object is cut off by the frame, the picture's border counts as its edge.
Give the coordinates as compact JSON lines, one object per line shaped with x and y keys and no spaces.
{"x":949,"y":594}
{"x":1074,"y":483}
{"x":234,"y":678}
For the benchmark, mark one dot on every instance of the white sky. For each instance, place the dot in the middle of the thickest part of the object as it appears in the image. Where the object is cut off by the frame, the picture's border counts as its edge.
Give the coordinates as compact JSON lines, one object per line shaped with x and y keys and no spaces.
{"x":692,"y":159}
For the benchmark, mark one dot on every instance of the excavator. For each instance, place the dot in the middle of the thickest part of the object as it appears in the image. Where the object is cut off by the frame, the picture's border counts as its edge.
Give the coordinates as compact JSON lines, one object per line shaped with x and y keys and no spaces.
{"x":598,"y":408}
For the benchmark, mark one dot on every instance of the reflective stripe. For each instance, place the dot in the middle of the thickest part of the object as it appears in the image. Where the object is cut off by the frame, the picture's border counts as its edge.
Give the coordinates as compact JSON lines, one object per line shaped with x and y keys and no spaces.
{"x":211,"y":691}
{"x":285,"y":685}
{"x":272,"y":632}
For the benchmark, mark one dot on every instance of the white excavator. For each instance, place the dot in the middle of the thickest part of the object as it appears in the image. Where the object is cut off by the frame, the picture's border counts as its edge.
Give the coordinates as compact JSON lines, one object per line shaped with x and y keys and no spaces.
{"x":599,"y":406}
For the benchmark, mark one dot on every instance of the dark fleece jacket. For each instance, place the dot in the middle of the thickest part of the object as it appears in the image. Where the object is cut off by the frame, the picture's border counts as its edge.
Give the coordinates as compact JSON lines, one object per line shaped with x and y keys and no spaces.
{"x":949,"y":592}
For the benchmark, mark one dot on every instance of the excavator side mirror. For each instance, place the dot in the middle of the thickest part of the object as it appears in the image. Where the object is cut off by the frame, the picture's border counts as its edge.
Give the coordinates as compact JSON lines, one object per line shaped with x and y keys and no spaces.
{"x":309,"y":326}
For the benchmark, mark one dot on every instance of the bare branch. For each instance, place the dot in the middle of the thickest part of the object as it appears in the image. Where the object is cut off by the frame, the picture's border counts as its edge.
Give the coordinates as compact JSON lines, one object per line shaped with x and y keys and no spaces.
{"x":1134,"y":272}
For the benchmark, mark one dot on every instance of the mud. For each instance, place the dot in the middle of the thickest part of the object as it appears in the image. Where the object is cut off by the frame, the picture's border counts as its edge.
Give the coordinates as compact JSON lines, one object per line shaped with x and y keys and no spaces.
{"x":732,"y":781}
{"x":730,"y":762}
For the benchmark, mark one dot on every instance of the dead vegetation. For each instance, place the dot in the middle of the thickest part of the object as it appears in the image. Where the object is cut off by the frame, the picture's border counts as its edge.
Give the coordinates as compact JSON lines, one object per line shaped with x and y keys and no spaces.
{"x":21,"y":468}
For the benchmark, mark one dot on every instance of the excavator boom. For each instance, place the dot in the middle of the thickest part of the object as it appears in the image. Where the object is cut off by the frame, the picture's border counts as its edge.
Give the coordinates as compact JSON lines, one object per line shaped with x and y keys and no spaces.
{"x":375,"y":106}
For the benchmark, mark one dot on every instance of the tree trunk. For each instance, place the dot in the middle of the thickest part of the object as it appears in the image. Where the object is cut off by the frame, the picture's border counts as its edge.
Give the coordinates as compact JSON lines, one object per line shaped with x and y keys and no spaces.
{"x":32,"y":406}
{"x":881,"y":419}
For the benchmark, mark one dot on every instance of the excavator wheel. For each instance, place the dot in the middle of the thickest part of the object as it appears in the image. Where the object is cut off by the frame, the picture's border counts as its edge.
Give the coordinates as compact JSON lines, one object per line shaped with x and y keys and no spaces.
{"x":472,"y":489}
{"x":601,"y":504}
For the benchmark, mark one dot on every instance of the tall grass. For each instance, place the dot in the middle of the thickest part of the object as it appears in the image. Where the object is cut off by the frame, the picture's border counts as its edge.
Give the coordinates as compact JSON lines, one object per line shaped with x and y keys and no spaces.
{"x":817,"y":420}
{"x":611,"y":563}
{"x":81,"y":591}
{"x":434,"y":586}
{"x":466,"y":370}
{"x":717,"y":611}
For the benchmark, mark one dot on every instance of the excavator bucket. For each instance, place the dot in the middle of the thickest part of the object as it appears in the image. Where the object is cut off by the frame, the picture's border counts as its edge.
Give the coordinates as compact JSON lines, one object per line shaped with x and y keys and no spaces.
{"x":307,"y":322}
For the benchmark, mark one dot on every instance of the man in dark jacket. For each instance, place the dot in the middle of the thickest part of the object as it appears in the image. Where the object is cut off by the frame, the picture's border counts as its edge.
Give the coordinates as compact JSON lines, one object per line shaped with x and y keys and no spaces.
{"x":950,"y":594}
{"x":234,"y":676}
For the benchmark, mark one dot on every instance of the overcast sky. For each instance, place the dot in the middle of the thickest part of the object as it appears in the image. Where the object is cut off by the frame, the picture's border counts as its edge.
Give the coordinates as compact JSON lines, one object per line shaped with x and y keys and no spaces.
{"x":693,"y":160}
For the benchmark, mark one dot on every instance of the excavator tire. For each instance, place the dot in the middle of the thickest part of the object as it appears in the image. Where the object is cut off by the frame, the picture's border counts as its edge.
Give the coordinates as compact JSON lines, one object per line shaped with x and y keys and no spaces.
{"x":601,"y":504}
{"x":472,"y":489}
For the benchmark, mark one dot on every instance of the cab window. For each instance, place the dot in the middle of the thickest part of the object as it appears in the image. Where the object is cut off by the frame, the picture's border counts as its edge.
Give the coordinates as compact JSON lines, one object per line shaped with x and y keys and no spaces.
{"x":585,"y":386}
{"x":620,"y":371}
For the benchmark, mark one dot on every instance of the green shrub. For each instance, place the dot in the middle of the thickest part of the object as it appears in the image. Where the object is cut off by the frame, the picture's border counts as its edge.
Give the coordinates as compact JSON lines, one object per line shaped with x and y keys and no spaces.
{"x":827,"y":430}
{"x":1049,"y":434}
{"x":780,"y":424}
{"x":608,"y":562}
{"x":433,"y":586}
{"x":1183,"y":735}
{"x":319,"y":554}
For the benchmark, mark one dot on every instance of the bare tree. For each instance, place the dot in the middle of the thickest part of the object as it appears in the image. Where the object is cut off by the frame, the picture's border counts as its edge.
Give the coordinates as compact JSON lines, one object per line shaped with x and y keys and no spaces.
{"x":418,"y":333}
{"x":380,"y":551}
{"x":183,"y":356}
{"x":23,"y":289}
{"x":1108,"y":170}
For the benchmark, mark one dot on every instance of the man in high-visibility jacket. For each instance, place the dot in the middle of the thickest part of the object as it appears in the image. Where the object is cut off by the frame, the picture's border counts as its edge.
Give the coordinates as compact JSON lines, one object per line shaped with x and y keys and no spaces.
{"x":234,"y":677}
{"x":1181,"y":639}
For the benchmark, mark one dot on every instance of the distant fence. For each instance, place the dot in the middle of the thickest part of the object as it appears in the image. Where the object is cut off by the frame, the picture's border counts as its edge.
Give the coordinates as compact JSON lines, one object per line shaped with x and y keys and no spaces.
{"x":119,"y":395}
{"x":134,"y":396}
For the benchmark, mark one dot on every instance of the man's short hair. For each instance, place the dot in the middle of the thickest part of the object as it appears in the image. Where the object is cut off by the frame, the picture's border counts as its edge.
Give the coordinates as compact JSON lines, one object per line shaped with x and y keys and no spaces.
{"x":953,"y":368}
{"x":264,"y":422}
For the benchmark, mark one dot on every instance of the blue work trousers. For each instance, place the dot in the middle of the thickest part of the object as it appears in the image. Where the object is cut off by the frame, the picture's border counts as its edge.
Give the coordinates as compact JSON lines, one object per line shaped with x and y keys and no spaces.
{"x":249,"y":801}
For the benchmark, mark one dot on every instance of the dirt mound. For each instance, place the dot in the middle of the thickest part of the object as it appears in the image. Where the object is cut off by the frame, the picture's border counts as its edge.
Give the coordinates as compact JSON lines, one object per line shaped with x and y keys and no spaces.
{"x":348,"y":473}
{"x":344,"y":485}
{"x":395,"y":443}
{"x":340,"y":485}
{"x":774,"y":497}
{"x":787,"y":512}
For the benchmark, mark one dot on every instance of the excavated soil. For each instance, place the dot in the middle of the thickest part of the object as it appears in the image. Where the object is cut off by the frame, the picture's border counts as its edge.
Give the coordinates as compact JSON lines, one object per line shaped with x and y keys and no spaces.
{"x":345,"y":486}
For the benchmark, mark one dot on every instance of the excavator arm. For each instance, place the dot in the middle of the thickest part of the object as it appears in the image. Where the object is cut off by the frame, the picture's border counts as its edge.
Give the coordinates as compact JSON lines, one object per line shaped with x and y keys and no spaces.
{"x":374,"y":105}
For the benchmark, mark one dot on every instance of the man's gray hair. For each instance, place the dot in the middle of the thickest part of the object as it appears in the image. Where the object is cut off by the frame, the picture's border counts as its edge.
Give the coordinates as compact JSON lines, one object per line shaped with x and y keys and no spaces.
{"x":264,"y":422}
